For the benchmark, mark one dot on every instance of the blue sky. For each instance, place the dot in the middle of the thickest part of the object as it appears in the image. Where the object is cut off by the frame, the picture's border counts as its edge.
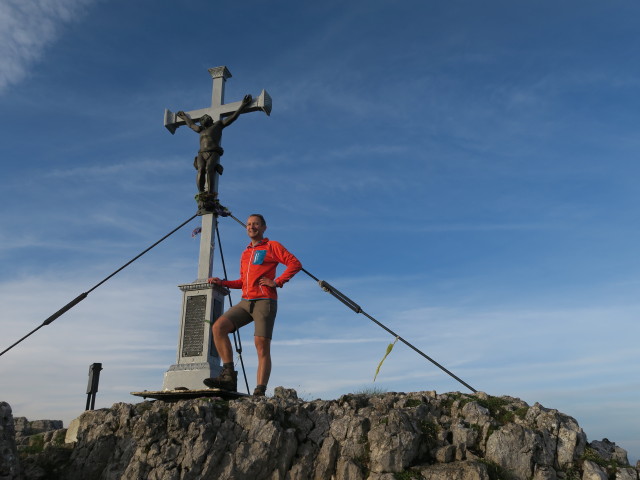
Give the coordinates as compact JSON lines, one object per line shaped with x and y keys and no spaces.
{"x":465,"y":171}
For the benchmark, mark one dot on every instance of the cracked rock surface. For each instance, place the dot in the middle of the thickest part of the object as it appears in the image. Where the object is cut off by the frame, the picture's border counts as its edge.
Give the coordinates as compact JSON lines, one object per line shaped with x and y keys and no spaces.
{"x":421,"y":435}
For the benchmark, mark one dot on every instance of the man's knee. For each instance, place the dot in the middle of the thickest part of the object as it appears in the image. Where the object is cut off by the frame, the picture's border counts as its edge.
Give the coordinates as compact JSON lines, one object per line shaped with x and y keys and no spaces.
{"x":263,"y":346}
{"x":223,"y":326}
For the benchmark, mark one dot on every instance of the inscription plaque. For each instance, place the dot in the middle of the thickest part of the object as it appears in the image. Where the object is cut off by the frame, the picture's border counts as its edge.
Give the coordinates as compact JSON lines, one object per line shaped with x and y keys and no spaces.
{"x":194,"y":317}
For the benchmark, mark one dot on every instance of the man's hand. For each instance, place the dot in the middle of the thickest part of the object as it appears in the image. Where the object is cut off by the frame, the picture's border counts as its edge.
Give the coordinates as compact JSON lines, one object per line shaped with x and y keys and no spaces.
{"x":214,"y":281}
{"x":181,"y":114}
{"x":247,"y":100}
{"x":267,"y":282}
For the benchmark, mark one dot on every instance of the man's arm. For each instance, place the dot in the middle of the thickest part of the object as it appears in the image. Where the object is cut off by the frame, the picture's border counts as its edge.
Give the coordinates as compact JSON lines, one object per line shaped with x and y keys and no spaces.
{"x":225,"y":283}
{"x":190,"y":123}
{"x":288,"y":259}
{"x":234,"y":116}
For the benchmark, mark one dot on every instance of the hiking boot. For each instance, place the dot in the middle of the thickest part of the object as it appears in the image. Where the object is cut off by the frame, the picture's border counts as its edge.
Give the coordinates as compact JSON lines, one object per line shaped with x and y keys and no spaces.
{"x":260,"y":391}
{"x":227,"y":380}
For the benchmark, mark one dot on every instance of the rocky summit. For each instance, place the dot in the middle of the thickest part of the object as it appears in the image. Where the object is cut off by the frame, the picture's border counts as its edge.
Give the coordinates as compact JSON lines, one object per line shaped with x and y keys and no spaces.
{"x":390,"y":436}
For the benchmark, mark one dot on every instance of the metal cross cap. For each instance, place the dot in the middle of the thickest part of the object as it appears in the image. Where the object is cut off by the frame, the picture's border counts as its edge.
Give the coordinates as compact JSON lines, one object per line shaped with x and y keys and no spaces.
{"x":218,"y":109}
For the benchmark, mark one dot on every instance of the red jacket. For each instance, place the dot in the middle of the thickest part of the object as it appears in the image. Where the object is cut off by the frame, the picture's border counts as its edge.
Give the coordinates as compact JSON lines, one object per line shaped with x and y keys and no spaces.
{"x":261,"y":261}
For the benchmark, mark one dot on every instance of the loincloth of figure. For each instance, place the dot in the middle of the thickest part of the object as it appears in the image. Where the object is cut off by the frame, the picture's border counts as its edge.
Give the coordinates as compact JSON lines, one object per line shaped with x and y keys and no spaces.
{"x":203,"y":159}
{"x":207,"y":156}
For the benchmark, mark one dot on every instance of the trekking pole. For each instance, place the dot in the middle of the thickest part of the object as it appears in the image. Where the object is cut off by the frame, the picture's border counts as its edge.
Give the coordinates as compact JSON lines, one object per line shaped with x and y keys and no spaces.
{"x":239,"y":341}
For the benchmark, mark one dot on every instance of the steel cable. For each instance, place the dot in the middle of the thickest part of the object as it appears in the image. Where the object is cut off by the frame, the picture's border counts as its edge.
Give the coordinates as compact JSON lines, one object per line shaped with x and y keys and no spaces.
{"x":84,"y":295}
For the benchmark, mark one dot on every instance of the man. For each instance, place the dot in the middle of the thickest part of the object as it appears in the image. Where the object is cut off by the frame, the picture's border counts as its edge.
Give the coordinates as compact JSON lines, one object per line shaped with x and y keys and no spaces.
{"x":207,"y":161}
{"x":259,"y":304}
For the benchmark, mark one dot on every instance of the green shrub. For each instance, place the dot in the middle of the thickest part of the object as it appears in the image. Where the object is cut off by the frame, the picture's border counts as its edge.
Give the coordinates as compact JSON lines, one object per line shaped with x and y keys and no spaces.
{"x":36,"y":444}
{"x":413,"y":402}
{"x":522,"y":412}
{"x":611,"y":466}
{"x":407,"y":475}
{"x":371,"y":391}
{"x":497,"y":410}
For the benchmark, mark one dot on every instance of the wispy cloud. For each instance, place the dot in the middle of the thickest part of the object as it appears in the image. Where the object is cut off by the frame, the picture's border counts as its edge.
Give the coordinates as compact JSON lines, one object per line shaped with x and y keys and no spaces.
{"x":135,"y":166}
{"x":27,"y":28}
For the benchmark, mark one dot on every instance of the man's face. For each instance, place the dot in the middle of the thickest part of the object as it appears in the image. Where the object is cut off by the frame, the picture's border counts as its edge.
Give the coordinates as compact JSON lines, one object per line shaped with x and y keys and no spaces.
{"x":206,"y":120}
{"x":255,"y":228}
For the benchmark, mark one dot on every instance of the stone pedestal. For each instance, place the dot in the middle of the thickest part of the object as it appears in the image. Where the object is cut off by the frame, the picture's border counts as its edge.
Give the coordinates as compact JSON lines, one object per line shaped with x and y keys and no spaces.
{"x":197,"y":357}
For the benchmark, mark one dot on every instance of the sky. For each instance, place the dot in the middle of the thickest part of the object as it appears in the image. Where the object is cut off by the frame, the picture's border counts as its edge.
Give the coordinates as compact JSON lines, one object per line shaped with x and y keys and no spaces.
{"x":465,"y":171}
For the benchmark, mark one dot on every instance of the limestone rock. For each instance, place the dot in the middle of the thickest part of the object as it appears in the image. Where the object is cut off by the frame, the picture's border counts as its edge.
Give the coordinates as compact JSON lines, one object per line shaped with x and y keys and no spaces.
{"x":592,"y":471}
{"x":513,"y":447}
{"x":26,"y":429}
{"x":562,"y":440}
{"x":627,"y":474}
{"x":9,"y":464}
{"x":544,"y":472}
{"x":450,"y":436}
{"x":288,"y":393}
{"x":455,"y":471}
{"x":609,"y":451}
{"x":474,"y":413}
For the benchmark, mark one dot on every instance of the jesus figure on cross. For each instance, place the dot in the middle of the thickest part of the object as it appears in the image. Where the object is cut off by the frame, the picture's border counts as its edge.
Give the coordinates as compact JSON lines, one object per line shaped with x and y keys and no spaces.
{"x":207,"y":162}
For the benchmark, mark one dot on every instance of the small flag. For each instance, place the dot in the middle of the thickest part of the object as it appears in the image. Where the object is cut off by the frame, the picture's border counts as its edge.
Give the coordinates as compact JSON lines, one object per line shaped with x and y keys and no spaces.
{"x":196,"y":231}
{"x":389,"y":348}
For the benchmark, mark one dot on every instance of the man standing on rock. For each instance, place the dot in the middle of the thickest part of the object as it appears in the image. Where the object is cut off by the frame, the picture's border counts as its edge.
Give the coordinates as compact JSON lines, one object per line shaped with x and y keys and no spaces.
{"x":258,"y":305}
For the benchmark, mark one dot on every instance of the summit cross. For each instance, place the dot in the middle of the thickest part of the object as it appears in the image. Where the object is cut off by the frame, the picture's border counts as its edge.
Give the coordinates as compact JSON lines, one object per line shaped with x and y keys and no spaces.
{"x":202,"y":303}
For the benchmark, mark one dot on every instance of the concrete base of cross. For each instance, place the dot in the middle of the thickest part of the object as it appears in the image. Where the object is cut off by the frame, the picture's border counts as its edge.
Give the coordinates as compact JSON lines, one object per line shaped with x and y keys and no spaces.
{"x":197,"y":357}
{"x":189,"y":376}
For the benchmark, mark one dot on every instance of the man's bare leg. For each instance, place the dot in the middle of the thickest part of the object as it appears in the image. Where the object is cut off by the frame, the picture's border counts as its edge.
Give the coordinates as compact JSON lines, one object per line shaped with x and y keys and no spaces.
{"x":263,"y":349}
{"x":228,"y":377}
{"x":221,"y":329}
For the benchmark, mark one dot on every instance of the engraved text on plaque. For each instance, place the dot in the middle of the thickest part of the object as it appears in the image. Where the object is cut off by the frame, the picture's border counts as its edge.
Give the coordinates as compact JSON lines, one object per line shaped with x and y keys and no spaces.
{"x":194,"y":317}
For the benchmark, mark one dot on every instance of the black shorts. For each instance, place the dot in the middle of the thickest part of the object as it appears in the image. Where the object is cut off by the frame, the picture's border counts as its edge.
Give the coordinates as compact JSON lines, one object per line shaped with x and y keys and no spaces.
{"x":261,"y":312}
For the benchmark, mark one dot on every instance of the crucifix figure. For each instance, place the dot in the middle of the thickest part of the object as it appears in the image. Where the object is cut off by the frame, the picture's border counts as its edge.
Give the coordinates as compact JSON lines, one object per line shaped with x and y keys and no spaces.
{"x":207,"y":163}
{"x":211,"y":122}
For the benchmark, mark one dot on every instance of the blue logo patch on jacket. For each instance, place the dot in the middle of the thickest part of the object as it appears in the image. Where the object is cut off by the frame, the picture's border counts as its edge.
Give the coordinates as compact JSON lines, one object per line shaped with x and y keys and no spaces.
{"x":258,"y":257}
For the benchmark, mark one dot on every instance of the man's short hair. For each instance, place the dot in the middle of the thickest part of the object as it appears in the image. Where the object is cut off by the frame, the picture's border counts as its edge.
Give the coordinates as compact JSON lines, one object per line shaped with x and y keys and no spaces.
{"x":264,"y":222}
